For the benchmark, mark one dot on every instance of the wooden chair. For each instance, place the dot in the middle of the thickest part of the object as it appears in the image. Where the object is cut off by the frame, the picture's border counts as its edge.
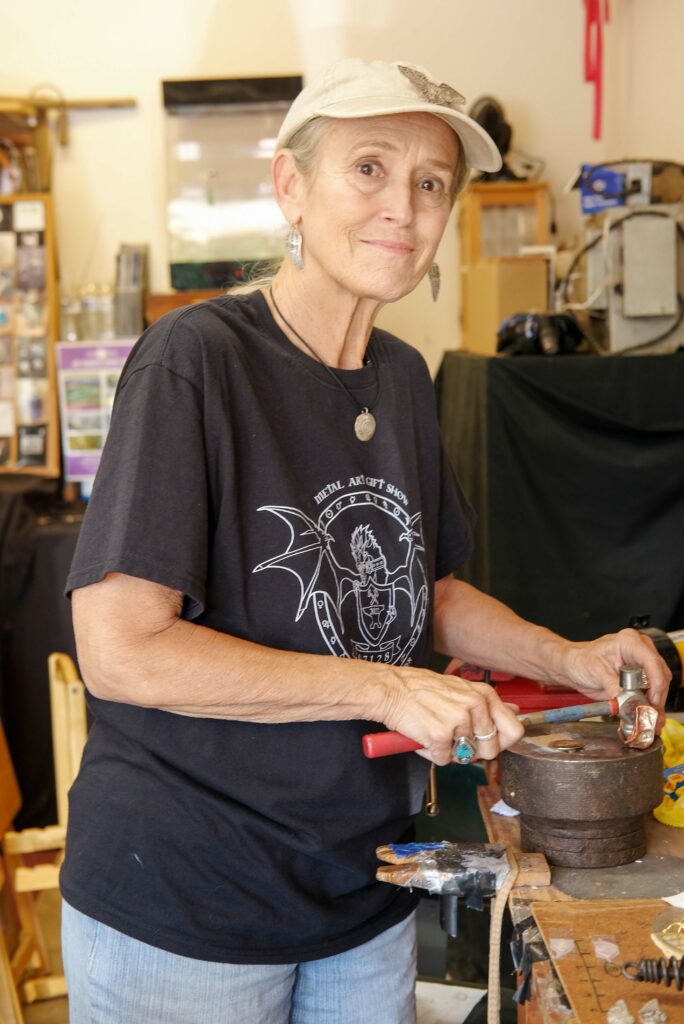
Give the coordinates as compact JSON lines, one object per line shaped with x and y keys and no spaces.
{"x":33,"y":856}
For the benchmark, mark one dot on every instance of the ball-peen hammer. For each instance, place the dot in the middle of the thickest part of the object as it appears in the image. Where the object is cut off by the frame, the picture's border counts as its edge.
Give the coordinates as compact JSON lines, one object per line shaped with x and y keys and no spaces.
{"x":630,"y":705}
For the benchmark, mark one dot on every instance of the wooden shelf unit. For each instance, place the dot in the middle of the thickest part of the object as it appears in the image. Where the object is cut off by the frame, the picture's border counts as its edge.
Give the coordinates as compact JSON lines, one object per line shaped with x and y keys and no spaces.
{"x":519,"y":213}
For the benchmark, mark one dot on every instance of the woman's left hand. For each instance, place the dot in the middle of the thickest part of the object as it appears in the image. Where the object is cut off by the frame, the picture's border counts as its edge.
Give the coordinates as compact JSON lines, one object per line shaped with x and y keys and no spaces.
{"x":485,"y":632}
{"x":593,"y":667}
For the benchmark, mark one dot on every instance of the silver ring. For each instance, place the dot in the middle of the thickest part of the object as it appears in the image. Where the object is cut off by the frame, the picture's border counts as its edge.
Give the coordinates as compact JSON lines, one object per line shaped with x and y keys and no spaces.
{"x":464,"y":750}
{"x":488,"y":736}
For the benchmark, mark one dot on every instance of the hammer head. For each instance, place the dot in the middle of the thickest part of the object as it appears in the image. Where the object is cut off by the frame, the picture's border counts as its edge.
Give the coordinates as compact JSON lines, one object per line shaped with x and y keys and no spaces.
{"x":637,"y":718}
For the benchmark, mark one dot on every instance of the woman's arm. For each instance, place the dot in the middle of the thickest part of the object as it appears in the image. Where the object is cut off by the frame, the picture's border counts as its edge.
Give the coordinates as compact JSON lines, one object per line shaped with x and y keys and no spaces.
{"x":133,"y":647}
{"x":477,"y":628}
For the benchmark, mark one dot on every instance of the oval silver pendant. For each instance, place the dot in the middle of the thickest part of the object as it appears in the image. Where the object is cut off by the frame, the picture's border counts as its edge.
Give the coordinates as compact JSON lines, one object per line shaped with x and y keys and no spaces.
{"x":364,"y":425}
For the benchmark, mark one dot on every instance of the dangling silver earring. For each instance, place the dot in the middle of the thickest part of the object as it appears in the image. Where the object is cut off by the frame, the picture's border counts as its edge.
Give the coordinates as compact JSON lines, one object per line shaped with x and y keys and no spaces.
{"x":435,"y":279}
{"x":293,"y":246}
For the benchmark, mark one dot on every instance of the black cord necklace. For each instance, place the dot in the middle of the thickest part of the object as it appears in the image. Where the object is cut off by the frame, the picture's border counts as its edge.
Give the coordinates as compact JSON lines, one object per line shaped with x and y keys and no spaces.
{"x":364,"y":424}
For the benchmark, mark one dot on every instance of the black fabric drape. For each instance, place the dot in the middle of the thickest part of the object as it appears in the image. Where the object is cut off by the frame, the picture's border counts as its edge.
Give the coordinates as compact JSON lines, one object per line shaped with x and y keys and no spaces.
{"x":41,"y":625}
{"x":17,"y":526}
{"x":576,"y":466}
{"x":36,"y":547}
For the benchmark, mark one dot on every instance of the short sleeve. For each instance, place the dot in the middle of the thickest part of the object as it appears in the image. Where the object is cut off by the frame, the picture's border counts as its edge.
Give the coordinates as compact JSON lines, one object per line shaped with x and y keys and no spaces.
{"x":148,"y":513}
{"x":456,"y":523}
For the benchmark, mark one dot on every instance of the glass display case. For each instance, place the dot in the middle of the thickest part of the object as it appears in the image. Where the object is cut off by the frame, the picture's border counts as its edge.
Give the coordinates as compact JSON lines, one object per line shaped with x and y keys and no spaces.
{"x":222,"y":217}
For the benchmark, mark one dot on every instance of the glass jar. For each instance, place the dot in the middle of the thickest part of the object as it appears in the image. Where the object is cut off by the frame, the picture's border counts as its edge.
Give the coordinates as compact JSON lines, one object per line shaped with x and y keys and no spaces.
{"x":70,"y":328}
{"x":104,"y":296}
{"x":89,"y":325}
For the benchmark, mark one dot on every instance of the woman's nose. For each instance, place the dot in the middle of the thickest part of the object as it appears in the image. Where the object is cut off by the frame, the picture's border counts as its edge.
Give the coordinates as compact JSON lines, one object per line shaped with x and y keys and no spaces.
{"x":398,"y":202}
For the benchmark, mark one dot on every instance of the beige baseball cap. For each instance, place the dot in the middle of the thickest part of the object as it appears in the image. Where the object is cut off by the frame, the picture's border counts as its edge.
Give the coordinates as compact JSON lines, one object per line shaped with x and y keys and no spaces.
{"x":358,"y":88}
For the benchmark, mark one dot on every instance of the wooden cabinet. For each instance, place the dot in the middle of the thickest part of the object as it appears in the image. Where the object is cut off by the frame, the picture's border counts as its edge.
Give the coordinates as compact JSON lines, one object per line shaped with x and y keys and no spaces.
{"x":496,"y":220}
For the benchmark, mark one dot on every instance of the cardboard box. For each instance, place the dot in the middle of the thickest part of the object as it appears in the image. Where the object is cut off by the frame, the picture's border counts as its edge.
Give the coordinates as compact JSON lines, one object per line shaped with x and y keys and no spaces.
{"x":495,"y":289}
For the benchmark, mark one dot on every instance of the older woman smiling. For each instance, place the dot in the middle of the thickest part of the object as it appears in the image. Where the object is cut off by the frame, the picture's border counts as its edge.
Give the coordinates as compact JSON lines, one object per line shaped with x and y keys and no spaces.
{"x":264,"y":568}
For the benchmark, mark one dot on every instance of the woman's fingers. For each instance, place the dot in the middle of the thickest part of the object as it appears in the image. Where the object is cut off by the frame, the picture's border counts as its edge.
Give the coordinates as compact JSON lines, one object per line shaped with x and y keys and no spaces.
{"x":594,"y":666}
{"x":442,"y":711}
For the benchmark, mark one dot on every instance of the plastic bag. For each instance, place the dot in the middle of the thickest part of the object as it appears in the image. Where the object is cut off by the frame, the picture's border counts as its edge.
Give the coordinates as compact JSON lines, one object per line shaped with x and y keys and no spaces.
{"x":671,"y":810}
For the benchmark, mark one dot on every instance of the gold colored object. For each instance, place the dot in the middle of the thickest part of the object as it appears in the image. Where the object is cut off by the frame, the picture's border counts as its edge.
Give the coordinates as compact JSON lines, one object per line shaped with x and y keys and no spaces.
{"x":667,"y":932}
{"x":431,"y":801}
{"x":674,"y":932}
{"x":566,"y":744}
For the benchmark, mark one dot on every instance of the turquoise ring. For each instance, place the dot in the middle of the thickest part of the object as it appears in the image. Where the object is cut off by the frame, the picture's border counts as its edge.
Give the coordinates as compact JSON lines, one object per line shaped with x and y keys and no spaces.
{"x":464,"y":750}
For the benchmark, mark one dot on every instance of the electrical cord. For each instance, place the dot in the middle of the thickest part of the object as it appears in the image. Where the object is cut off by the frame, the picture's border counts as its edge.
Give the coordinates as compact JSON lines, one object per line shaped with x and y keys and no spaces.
{"x":564,"y":281}
{"x":672,"y":328}
{"x":563,"y":284}
{"x":562,"y":287}
{"x":600,"y":349}
{"x":588,"y":303}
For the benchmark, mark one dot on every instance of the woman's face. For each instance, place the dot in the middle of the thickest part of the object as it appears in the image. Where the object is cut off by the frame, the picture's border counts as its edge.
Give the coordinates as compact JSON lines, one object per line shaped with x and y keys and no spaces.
{"x":376,"y":204}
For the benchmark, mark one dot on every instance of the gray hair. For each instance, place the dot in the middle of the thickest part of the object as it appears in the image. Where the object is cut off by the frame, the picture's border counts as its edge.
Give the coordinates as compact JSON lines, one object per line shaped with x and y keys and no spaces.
{"x":306,"y":140}
{"x":304,"y":146}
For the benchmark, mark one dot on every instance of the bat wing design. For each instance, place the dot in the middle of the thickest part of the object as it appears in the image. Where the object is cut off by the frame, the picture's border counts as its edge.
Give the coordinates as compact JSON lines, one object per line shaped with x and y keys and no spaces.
{"x":410,"y":577}
{"x":308,"y":556}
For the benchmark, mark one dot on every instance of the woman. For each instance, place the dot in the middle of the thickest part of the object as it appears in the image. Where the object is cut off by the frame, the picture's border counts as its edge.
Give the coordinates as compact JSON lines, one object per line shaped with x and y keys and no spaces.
{"x":261,"y":575}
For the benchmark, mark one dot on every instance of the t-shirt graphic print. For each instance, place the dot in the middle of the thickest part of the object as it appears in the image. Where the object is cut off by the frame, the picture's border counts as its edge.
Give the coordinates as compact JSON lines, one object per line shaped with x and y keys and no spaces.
{"x":360,"y":567}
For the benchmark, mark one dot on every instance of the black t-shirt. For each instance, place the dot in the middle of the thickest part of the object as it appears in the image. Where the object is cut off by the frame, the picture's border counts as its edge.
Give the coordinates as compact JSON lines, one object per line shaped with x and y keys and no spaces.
{"x":232,"y":474}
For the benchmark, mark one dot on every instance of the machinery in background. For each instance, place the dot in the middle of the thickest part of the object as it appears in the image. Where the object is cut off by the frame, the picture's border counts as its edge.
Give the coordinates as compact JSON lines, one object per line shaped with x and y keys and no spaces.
{"x":633,"y":257}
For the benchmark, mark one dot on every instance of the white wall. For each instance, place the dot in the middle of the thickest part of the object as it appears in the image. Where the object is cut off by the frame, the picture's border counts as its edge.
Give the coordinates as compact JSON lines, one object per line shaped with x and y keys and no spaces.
{"x":652,"y":81}
{"x":109,"y":183}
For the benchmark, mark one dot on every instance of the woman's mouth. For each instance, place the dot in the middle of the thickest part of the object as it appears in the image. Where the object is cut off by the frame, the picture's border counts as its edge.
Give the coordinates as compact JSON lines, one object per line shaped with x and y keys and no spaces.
{"x":400,"y":248}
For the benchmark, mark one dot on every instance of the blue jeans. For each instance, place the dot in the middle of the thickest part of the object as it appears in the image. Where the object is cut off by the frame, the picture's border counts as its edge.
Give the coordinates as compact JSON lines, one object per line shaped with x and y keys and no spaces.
{"x":113,"y":979}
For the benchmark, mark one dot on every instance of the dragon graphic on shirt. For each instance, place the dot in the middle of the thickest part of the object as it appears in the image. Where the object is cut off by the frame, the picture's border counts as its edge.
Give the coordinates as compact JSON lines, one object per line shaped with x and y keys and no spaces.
{"x":360,"y":568}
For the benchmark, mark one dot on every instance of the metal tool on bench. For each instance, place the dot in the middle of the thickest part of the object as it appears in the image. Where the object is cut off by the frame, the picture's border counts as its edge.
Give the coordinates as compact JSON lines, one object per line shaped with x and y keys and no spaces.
{"x":582,"y":792}
{"x":636,"y":728}
{"x":637,"y":718}
{"x":658,"y":972}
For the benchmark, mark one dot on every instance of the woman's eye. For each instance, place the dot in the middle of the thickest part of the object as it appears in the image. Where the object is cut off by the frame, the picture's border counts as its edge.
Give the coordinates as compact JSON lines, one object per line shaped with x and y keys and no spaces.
{"x":431,"y":185}
{"x":368,"y":167}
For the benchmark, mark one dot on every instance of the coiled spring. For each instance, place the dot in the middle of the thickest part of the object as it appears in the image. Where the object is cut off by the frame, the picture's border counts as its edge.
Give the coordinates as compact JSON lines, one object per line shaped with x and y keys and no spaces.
{"x":661,"y":972}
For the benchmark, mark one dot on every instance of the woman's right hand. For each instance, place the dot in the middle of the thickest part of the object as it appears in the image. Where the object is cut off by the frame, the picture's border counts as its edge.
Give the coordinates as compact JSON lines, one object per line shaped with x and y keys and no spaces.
{"x":435,"y":709}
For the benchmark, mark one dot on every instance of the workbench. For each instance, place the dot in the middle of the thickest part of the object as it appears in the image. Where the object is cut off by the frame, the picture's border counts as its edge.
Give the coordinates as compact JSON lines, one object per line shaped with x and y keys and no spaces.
{"x":617,"y":907}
